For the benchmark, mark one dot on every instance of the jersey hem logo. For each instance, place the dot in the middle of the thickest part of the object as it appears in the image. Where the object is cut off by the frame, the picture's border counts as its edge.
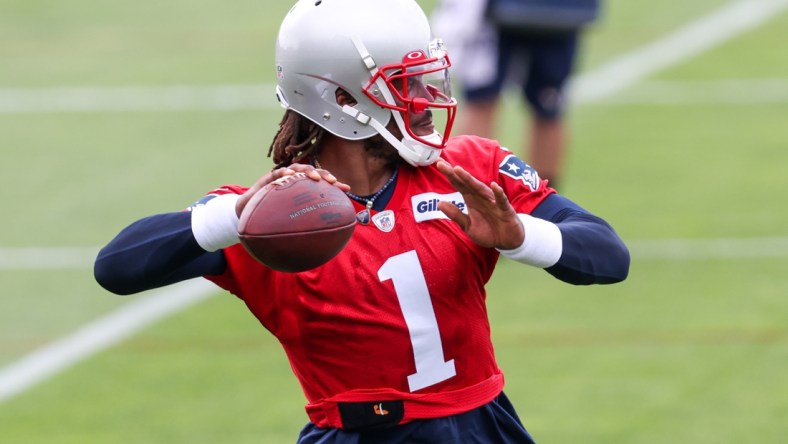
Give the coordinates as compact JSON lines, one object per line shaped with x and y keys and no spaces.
{"x":379,"y":410}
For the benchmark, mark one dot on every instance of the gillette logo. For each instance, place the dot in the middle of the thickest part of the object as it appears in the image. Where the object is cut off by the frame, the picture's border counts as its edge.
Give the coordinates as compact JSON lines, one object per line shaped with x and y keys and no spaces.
{"x":425,"y":206}
{"x":432,"y":205}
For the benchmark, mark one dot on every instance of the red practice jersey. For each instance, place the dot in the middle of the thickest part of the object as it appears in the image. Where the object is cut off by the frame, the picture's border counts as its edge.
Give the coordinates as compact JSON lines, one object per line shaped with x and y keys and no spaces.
{"x":400,"y":313}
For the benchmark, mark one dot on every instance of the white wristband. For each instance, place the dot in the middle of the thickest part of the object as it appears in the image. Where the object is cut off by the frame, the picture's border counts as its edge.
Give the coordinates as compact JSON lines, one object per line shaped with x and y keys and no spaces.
{"x":215,"y":224}
{"x":542,"y":246}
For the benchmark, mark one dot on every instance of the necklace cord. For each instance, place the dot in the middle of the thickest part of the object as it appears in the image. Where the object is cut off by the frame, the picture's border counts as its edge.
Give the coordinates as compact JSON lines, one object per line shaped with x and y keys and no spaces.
{"x":367,"y":201}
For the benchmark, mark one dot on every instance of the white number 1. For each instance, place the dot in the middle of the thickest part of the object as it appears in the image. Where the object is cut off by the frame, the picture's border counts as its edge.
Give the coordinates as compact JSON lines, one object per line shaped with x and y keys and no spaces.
{"x":406,"y":274}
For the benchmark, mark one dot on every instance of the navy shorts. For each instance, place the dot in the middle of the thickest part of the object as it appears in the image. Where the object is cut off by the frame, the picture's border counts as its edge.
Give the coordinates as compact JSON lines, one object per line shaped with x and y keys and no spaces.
{"x":539,"y":64}
{"x":496,"y":422}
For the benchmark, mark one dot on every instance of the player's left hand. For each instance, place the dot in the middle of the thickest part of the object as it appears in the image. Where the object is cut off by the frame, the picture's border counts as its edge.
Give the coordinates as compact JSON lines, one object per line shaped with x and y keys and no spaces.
{"x":491,"y":220}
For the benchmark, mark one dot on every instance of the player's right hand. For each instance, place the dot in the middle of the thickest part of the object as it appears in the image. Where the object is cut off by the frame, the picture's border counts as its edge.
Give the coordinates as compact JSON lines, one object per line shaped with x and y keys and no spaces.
{"x":311,"y":172}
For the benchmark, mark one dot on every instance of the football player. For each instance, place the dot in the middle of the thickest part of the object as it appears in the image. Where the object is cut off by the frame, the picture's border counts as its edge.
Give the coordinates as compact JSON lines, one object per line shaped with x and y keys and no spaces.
{"x":389,"y":340}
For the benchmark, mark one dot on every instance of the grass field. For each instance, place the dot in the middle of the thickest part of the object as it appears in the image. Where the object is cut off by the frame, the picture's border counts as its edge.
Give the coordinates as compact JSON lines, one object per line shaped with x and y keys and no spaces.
{"x":688,"y":163}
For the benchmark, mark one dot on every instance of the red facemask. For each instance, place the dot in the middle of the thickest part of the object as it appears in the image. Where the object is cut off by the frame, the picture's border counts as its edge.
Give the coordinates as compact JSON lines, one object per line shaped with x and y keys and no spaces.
{"x":421,"y":91}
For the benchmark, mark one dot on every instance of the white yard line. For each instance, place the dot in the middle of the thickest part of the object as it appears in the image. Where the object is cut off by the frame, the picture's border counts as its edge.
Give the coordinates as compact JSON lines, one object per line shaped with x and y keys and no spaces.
{"x":81,"y":258}
{"x":598,"y":84}
{"x":260,"y":97}
{"x":703,"y":92}
{"x":709,"y":249}
{"x":682,"y":44}
{"x":137,"y":99}
{"x":99,"y":335}
{"x":53,"y":258}
{"x":143,"y":310}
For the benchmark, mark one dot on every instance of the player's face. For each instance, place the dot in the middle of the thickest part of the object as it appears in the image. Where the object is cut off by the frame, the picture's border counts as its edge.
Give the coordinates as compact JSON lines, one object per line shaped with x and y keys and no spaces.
{"x":421,"y":122}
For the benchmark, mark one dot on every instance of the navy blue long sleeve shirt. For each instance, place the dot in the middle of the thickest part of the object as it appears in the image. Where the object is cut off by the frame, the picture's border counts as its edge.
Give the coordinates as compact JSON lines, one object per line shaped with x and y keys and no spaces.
{"x":160,"y":250}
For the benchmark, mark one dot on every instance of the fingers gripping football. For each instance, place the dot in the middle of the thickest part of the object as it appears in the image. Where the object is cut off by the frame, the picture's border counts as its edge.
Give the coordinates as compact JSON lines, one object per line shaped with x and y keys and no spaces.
{"x":311,"y":172}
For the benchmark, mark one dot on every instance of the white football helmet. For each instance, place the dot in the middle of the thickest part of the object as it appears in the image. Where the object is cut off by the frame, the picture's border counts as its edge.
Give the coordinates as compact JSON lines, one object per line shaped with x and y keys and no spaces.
{"x":381,"y":52}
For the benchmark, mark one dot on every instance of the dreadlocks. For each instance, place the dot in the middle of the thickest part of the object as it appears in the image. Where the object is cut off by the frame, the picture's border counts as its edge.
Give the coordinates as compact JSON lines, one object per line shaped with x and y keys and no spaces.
{"x":296,"y":139}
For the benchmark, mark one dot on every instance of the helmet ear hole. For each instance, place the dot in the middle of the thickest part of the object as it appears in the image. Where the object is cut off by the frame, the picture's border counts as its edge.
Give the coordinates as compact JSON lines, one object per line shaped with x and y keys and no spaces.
{"x":344,"y":98}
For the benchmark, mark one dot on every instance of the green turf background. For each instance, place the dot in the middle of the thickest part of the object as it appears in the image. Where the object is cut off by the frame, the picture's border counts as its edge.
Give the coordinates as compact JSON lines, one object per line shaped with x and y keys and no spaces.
{"x":685,"y":351}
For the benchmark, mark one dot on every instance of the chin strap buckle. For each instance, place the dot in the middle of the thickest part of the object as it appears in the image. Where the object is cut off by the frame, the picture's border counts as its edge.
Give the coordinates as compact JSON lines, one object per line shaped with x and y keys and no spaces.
{"x":356,"y":114}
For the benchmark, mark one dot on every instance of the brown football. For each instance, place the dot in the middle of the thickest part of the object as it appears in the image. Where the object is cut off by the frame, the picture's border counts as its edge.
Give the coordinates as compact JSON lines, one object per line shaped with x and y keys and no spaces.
{"x":296,"y":223}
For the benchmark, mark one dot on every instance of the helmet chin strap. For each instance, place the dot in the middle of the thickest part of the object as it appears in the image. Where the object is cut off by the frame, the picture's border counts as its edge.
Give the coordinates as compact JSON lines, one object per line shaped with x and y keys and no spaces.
{"x":410,"y":149}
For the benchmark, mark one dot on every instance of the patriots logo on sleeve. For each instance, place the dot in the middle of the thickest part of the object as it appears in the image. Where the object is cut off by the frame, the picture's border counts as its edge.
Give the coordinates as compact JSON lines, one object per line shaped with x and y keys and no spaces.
{"x":202,"y":201}
{"x":515,"y":168}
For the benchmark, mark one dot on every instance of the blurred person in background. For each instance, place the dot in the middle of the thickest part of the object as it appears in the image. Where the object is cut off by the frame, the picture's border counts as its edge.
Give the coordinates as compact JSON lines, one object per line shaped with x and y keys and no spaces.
{"x":529,"y":44}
